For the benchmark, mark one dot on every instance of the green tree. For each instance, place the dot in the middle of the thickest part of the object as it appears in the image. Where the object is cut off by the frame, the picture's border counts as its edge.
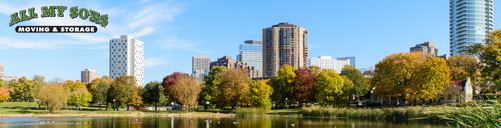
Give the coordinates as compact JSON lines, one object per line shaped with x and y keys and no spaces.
{"x":234,"y":86}
{"x":260,"y":93}
{"x":347,"y":90}
{"x":122,"y":88}
{"x":152,"y":93}
{"x":17,"y":90}
{"x":80,"y":97}
{"x":92,"y":88}
{"x":37,"y":82}
{"x":489,"y":54}
{"x":465,"y":66}
{"x":102,"y":93}
{"x":358,"y":79}
{"x":329,"y":86}
{"x":282,"y":84}
{"x":2,"y":83}
{"x":410,"y":75}
{"x":209,"y":88}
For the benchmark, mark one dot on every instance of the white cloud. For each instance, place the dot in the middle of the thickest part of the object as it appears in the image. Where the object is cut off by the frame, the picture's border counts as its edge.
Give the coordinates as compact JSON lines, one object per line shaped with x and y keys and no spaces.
{"x":143,"y":32}
{"x":152,"y":62}
{"x":40,"y":45}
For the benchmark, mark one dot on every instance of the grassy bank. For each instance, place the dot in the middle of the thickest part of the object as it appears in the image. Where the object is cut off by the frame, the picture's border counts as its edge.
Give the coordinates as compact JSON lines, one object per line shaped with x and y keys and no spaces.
{"x":249,"y":112}
{"x":367,"y":113}
{"x":480,"y":114}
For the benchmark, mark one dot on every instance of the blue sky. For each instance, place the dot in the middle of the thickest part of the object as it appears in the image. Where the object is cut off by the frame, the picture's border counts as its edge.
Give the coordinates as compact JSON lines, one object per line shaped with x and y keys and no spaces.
{"x":174,"y":31}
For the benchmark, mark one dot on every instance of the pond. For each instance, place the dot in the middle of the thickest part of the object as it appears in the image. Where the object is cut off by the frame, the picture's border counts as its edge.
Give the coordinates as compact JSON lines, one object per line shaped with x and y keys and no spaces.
{"x":208,"y":122}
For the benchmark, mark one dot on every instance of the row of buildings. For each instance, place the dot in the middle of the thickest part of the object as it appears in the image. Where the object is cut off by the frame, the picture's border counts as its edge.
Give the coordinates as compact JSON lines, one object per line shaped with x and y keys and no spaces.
{"x":283,"y":44}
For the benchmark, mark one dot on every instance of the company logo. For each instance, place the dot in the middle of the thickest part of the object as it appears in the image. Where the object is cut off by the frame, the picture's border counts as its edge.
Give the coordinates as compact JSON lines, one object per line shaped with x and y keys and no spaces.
{"x":53,"y":11}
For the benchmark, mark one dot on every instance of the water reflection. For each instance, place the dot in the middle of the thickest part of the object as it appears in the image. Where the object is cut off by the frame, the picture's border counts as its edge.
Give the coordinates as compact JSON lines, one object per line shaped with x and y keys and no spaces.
{"x":208,"y":122}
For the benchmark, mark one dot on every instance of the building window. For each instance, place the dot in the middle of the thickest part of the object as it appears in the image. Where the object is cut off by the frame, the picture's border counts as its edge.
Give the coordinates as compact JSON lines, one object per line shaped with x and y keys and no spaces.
{"x":441,"y":97}
{"x":457,"y":97}
{"x":449,"y":97}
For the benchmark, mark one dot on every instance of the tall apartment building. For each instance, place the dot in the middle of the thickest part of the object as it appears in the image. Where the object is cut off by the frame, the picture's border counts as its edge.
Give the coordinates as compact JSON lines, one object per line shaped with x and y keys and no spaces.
{"x":251,"y":52}
{"x":284,"y":44}
{"x":231,"y":63}
{"x":1,"y":69}
{"x":326,"y":62}
{"x":426,"y":48}
{"x":200,"y":63}
{"x":470,"y":22}
{"x":88,"y":75}
{"x":351,"y":59}
{"x":127,"y":58}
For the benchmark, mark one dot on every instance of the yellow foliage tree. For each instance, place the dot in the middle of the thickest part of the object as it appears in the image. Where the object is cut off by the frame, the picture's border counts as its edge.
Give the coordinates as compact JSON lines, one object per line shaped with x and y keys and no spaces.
{"x":411,"y":76}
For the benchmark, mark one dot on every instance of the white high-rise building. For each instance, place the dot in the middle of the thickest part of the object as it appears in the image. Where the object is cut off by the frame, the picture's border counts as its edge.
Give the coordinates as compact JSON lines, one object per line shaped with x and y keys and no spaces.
{"x":127,"y":58}
{"x":326,"y":62}
{"x":351,"y":58}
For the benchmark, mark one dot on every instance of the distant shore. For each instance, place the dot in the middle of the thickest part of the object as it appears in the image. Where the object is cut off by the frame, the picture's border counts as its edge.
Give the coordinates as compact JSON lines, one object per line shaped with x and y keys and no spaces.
{"x":134,"y":114}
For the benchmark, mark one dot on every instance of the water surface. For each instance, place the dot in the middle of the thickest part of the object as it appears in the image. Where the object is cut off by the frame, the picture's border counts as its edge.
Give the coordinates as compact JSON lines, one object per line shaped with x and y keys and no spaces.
{"x":208,"y":122}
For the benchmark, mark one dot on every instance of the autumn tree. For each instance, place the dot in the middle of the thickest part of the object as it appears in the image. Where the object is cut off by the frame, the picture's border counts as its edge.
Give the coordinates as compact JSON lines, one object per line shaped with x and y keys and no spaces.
{"x":282,"y":84}
{"x":80,"y":97}
{"x":329,"y":86}
{"x":234,"y":86}
{"x":17,"y":90}
{"x":259,"y":95}
{"x":360,"y":85}
{"x":315,"y":70}
{"x":465,"y":66}
{"x":2,"y":83}
{"x":152,"y":93}
{"x":38,"y":81}
{"x":4,"y":95}
{"x":92,"y":87}
{"x":209,"y":88}
{"x":181,"y":88}
{"x":135,"y":100}
{"x":410,"y":75}
{"x":53,"y":95}
{"x":304,"y":89}
{"x":122,"y":88}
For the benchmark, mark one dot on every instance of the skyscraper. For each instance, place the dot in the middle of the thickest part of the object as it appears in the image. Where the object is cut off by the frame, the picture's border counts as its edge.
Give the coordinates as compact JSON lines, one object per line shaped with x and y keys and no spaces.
{"x":470,"y":22}
{"x":88,"y":75}
{"x":227,"y":62}
{"x":127,"y":58}
{"x":200,"y":63}
{"x":284,"y":44}
{"x":326,"y":62}
{"x":251,"y":52}
{"x":426,"y":48}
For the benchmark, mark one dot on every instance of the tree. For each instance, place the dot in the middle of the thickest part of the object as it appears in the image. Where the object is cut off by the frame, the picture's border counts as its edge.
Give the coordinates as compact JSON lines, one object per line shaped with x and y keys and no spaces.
{"x":135,"y":100}
{"x":329,"y":86}
{"x":17,"y":90}
{"x":234,"y":86}
{"x":282,"y":84}
{"x":358,"y":79}
{"x":489,"y":54}
{"x":37,"y":82}
{"x":2,"y":83}
{"x":260,"y":93}
{"x":54,"y":95}
{"x":92,"y":87}
{"x":152,"y":93}
{"x":181,"y":88}
{"x":304,"y":89}
{"x":27,"y":88}
{"x":465,"y":66}
{"x":209,"y":88}
{"x":315,"y":70}
{"x":102,"y":93}
{"x":4,"y":95}
{"x":80,"y":97}
{"x":347,"y":91}
{"x":122,"y":88}
{"x":410,"y":75}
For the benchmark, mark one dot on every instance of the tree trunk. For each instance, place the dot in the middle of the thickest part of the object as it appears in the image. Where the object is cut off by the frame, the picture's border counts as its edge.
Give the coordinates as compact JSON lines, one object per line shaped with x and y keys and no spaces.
{"x":127,"y":107}
{"x":155,"y":106}
{"x":106,"y":106}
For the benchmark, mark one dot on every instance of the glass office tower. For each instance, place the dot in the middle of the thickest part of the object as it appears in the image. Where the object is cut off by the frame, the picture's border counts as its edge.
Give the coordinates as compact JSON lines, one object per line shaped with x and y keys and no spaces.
{"x":251,"y":52}
{"x":470,"y":22}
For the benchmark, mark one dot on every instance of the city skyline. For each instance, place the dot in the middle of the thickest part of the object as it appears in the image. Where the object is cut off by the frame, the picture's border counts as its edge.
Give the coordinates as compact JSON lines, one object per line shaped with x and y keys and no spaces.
{"x":177,"y":34}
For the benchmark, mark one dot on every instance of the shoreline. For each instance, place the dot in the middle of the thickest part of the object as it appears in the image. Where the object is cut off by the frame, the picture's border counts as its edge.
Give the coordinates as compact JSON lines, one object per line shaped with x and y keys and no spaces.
{"x":135,"y":114}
